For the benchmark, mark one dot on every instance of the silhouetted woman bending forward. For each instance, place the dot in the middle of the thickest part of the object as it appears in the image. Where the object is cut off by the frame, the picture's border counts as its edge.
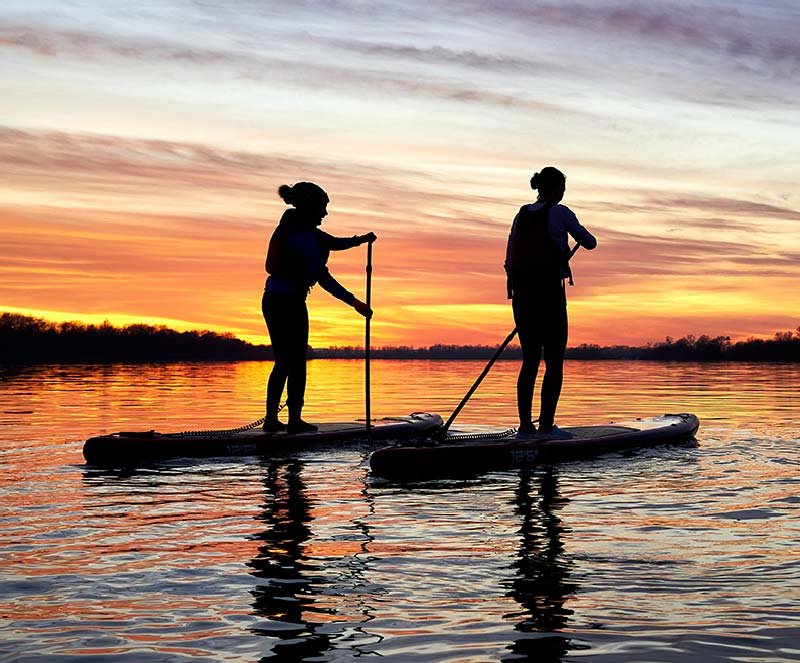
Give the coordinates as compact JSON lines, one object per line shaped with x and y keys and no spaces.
{"x":537,"y":260}
{"x":296,"y":261}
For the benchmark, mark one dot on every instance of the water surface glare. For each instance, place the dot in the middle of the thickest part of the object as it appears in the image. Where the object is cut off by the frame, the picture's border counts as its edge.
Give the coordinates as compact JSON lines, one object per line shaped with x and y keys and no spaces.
{"x":676,"y":554}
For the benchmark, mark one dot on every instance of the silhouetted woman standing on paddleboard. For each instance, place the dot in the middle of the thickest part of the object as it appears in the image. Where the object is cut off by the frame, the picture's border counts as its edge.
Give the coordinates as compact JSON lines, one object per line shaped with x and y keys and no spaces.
{"x":296,"y":261}
{"x":537,"y":262}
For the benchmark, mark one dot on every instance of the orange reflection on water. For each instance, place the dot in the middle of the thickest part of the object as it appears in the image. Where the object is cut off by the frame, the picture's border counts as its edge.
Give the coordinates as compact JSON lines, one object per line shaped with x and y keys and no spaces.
{"x":594,"y":391}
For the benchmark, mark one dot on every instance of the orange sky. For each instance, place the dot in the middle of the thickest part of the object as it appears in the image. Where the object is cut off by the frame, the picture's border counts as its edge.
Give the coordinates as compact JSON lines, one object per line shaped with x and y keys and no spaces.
{"x":141,"y":158}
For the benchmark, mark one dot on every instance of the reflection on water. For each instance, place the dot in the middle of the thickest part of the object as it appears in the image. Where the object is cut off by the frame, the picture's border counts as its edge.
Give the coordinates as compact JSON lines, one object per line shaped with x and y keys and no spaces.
{"x":542,"y":586}
{"x":309,"y":607}
{"x":287,"y":596}
{"x":672,"y":554}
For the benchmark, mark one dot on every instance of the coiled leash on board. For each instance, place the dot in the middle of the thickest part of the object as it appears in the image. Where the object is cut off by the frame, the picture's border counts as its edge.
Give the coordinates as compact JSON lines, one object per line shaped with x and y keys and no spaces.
{"x":225,"y":432}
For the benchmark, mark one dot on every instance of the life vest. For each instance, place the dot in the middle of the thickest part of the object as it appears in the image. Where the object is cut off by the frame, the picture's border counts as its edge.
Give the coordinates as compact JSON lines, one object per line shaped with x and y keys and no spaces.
{"x":534,"y":256}
{"x":322,"y":244}
{"x":276,"y":262}
{"x":280,"y":261}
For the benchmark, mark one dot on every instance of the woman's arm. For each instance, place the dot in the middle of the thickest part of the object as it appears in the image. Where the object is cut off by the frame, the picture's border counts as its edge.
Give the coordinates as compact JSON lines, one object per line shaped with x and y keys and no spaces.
{"x":576,"y":230}
{"x":326,"y":280}
{"x":330,"y":284}
{"x":342,"y":243}
{"x":508,"y":264}
{"x":314,"y":265}
{"x":509,"y":252}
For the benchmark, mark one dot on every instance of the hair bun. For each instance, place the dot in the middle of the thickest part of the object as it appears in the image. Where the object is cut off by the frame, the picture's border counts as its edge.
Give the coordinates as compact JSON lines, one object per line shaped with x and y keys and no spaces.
{"x":285,"y":192}
{"x":549,"y":181}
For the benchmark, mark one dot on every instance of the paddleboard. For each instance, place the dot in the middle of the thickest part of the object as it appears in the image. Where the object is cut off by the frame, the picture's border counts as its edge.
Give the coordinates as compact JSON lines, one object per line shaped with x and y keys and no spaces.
{"x":134,"y":447}
{"x":466,"y":450}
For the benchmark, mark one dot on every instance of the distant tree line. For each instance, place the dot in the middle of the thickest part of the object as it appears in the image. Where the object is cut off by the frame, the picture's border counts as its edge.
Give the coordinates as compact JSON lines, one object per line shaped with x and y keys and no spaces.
{"x":25,"y":339}
{"x":784,"y":346}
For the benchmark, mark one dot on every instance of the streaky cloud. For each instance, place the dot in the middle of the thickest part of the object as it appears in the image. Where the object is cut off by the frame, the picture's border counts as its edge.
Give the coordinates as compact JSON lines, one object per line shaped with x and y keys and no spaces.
{"x":470,"y":59}
{"x":767,"y":34}
{"x":83,"y":44}
{"x":650,"y":255}
{"x":733,"y":206}
{"x":320,"y":74}
{"x":704,"y":205}
{"x":55,"y":156}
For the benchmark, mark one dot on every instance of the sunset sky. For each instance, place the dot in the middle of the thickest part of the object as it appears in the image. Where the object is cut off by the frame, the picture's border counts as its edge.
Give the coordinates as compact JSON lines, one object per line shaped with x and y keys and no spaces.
{"x":142,"y":144}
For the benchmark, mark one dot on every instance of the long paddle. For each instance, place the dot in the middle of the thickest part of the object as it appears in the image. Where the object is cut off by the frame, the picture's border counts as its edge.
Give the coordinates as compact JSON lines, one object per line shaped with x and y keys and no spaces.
{"x":442,"y":432}
{"x":367,"y":342}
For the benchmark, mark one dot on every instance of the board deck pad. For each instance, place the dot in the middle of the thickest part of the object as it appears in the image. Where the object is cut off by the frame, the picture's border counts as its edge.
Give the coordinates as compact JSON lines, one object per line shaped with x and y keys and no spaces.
{"x":465,"y":451}
{"x":128,"y":448}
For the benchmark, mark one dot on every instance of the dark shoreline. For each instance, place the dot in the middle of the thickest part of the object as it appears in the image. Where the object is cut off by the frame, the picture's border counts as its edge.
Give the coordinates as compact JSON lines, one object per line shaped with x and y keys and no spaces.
{"x":26,"y":340}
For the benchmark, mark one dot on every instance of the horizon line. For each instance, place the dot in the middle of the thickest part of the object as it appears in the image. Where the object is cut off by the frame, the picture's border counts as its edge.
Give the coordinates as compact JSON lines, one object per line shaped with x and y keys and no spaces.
{"x":668,"y":339}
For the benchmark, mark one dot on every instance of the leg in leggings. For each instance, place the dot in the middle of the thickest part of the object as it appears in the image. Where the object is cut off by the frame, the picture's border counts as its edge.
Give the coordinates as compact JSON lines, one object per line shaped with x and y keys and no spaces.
{"x":296,"y":388}
{"x":555,"y":344}
{"x":531,"y":342}
{"x":287,"y":322}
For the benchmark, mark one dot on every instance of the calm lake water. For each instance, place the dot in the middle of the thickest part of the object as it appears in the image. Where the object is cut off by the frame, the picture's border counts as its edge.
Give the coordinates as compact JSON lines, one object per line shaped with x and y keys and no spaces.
{"x":683,"y":553}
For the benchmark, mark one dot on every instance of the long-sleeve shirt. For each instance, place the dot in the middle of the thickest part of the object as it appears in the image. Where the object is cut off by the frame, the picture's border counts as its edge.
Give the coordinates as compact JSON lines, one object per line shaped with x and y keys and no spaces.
{"x":561,"y":221}
{"x":308,"y":252}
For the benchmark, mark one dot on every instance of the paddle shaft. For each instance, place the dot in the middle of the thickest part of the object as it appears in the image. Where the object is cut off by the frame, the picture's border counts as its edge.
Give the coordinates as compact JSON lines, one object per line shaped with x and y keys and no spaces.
{"x":443,"y":431}
{"x":569,"y":257}
{"x":367,"y":342}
